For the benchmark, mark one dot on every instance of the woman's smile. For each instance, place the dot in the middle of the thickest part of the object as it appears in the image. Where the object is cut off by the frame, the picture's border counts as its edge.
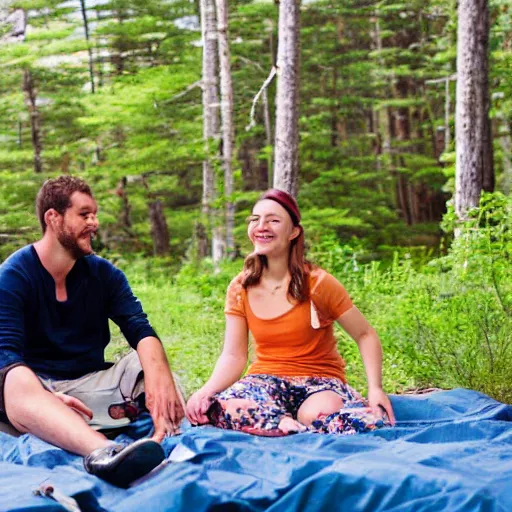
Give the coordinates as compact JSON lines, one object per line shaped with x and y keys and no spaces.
{"x":264,"y":239}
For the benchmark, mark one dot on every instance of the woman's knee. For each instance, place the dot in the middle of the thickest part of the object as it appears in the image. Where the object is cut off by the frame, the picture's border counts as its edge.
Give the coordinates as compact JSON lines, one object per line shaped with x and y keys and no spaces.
{"x":320,"y":404}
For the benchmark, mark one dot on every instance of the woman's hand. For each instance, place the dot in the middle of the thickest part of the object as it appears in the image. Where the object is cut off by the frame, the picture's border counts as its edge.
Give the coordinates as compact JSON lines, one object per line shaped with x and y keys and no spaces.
{"x":379,"y":401}
{"x":197,"y":406}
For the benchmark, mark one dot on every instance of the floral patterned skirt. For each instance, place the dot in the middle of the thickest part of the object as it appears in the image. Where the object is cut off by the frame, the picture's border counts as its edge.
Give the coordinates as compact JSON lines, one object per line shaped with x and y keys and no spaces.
{"x":267,"y":405}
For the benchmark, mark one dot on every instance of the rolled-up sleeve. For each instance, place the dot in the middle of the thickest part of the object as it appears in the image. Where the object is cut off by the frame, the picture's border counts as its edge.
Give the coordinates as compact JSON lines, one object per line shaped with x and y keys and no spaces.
{"x":126,"y":310}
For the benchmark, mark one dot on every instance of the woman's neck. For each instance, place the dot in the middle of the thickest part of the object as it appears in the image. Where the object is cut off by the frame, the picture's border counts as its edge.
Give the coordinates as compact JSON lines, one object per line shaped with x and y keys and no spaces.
{"x":276,"y":269}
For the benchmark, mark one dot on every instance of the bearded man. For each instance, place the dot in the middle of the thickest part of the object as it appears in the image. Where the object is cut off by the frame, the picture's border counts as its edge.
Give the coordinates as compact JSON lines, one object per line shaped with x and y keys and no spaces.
{"x":56,"y":299}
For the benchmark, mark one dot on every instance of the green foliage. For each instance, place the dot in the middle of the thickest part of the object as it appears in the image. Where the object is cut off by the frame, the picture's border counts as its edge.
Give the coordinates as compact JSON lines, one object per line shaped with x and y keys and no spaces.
{"x":451,"y":319}
{"x":144,"y":123}
{"x":44,"y":34}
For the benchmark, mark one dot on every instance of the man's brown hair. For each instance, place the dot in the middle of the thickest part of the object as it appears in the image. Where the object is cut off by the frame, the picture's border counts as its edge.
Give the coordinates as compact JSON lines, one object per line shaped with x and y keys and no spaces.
{"x":56,"y":193}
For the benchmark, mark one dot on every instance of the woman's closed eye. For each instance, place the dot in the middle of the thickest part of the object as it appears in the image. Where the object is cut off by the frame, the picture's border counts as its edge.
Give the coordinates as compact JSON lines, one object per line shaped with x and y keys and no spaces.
{"x":254,"y":218}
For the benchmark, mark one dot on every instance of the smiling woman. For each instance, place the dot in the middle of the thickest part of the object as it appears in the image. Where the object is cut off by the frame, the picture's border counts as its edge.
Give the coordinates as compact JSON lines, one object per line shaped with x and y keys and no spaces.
{"x":297,"y":381}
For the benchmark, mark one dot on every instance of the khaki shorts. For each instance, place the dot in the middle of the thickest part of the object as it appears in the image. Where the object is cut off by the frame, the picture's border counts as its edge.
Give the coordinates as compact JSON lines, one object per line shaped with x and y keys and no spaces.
{"x":98,"y":390}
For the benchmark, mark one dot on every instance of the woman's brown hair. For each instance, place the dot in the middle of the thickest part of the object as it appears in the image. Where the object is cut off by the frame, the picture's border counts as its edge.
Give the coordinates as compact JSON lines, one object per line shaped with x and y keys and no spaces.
{"x":298,"y":266}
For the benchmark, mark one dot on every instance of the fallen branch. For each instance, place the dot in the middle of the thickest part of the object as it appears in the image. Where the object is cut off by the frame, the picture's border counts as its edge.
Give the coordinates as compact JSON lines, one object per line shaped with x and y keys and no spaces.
{"x":266,"y":83}
{"x":186,"y":91}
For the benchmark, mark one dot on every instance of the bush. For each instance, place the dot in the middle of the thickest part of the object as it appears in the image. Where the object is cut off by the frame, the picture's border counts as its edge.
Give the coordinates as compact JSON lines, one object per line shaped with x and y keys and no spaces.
{"x":448,"y":323}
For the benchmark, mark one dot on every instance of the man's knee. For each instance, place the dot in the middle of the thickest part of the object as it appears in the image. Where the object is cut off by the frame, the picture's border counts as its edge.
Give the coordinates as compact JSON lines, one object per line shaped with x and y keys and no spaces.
{"x":20,"y":390}
{"x":19,"y":380}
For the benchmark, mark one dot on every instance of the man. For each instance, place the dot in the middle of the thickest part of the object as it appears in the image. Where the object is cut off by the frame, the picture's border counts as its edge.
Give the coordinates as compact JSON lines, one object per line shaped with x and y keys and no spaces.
{"x":56,"y":298}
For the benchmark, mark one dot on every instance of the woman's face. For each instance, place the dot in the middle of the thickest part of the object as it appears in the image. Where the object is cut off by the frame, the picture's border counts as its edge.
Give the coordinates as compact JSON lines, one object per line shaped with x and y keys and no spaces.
{"x":271,"y":229}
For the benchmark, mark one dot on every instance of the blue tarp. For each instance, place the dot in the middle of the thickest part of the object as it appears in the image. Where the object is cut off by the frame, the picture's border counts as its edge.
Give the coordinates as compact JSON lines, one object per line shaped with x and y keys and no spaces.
{"x":450,"y":451}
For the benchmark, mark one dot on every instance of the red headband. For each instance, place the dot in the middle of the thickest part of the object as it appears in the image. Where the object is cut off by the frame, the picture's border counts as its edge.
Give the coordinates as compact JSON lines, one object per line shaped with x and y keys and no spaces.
{"x":286,"y":201}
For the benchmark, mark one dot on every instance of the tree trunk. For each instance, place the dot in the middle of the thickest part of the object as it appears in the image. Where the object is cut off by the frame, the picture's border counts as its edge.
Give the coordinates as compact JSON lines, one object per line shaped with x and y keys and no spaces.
{"x":474,"y":160}
{"x":35,"y":118}
{"x":89,"y":49}
{"x":210,"y":116}
{"x":334,"y":108}
{"x":159,"y":230}
{"x":506,"y":147}
{"x":447,"y":108}
{"x":117,"y":57}
{"x":210,"y":99}
{"x":99,"y":56}
{"x":402,"y":131}
{"x":218,"y":245}
{"x":227,"y":129}
{"x":201,"y":237}
{"x":286,"y":157}
{"x":125,"y":214}
{"x":255,"y":170}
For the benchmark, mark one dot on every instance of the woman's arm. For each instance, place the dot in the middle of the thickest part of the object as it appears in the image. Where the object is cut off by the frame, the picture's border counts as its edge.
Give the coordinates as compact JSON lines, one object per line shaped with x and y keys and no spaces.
{"x":228,"y":369}
{"x":356,"y":325}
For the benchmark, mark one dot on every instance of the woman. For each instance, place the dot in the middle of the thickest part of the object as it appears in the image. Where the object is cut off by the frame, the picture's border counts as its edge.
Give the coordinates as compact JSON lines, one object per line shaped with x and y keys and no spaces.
{"x":297,"y":381}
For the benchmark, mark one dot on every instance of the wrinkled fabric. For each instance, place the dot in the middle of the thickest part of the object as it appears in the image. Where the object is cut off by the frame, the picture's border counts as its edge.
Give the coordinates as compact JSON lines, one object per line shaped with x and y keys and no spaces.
{"x":450,"y":451}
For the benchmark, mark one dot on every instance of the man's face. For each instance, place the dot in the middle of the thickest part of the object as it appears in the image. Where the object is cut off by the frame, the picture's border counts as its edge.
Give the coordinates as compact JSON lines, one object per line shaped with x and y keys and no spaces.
{"x":78,"y":225}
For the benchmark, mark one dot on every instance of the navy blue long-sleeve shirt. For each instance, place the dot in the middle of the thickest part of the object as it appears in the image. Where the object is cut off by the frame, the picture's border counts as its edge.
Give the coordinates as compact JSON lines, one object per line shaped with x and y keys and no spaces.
{"x":64,"y":340}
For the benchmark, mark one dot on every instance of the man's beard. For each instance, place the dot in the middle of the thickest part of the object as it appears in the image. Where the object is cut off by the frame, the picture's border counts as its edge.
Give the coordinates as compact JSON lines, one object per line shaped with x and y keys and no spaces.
{"x":70,"y":243}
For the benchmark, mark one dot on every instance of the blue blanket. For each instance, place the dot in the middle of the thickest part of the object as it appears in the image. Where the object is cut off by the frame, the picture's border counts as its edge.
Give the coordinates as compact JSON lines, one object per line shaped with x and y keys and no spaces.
{"x":450,"y":451}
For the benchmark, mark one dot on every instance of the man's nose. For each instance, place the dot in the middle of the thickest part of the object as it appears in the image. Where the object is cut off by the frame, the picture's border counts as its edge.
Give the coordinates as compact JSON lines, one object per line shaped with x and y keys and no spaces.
{"x":93,"y":220}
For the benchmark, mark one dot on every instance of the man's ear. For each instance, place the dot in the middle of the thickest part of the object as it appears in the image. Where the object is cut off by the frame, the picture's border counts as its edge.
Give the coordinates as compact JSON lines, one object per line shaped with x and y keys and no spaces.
{"x":51,"y":216}
{"x":295,"y":232}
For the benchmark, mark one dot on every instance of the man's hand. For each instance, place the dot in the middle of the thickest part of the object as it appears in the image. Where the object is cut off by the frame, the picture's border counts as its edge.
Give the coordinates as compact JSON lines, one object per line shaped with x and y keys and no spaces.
{"x":77,"y":405}
{"x":379,"y":401}
{"x":197,"y":406}
{"x":163,"y":399}
{"x":165,"y":404}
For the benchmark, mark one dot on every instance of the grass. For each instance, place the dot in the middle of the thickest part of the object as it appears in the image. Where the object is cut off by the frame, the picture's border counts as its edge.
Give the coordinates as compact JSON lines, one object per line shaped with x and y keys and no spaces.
{"x":430,"y":337}
{"x":190,"y":326}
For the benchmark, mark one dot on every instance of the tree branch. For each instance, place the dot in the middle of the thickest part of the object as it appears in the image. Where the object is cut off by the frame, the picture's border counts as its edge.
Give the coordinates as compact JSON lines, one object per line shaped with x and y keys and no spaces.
{"x":266,"y":83}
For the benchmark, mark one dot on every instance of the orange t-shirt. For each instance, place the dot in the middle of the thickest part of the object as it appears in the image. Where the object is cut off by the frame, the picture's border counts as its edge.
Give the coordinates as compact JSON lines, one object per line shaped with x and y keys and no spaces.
{"x":288,"y":345}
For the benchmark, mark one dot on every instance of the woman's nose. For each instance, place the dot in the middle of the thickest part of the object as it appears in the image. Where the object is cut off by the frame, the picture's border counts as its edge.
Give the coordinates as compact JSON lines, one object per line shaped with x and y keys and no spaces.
{"x":261,"y":223}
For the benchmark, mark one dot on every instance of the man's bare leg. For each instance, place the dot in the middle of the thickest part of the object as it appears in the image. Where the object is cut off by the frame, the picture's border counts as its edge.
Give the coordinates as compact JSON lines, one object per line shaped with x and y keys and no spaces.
{"x":32,"y":409}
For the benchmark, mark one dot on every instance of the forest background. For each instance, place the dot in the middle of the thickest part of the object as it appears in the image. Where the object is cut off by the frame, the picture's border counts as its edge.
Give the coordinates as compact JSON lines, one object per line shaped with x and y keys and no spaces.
{"x":111,"y":91}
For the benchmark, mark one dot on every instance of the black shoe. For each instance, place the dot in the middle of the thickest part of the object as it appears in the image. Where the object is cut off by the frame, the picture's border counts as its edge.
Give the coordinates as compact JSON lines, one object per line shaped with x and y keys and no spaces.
{"x":121,"y":465}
